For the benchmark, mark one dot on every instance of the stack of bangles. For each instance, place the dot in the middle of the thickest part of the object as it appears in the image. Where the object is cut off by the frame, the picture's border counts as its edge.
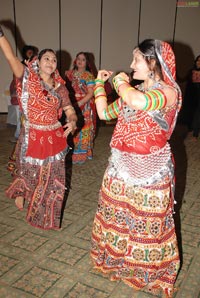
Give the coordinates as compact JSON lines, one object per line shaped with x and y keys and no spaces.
{"x":99,"y":91}
{"x":154,"y":99}
{"x":118,"y":82}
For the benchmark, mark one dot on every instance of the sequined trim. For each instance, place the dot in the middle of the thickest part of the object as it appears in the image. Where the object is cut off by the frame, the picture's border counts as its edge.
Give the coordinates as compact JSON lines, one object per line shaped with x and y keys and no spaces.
{"x":43,"y":127}
{"x":141,"y":170}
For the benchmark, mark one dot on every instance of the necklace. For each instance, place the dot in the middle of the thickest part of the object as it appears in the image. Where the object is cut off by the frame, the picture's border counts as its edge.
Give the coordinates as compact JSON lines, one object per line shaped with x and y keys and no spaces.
{"x":47,"y":88}
{"x":156,"y":85}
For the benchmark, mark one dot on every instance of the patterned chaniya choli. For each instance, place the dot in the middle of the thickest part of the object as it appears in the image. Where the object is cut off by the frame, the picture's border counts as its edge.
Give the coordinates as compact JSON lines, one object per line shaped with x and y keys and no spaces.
{"x":133,"y":236}
{"x":41,"y":149}
{"x":84,"y":138}
{"x":133,"y":232}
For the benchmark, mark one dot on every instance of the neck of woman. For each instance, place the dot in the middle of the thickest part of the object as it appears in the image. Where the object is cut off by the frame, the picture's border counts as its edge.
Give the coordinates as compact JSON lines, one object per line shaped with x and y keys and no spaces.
{"x":81,"y":69}
{"x":48,"y":80}
{"x":150,"y":83}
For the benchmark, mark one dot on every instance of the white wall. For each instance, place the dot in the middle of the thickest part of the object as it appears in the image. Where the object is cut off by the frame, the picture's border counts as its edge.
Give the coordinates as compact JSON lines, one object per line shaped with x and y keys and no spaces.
{"x":124,"y":23}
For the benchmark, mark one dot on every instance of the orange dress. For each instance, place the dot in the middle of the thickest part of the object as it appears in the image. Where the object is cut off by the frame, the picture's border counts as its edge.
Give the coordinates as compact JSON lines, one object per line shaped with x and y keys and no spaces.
{"x":84,"y":138}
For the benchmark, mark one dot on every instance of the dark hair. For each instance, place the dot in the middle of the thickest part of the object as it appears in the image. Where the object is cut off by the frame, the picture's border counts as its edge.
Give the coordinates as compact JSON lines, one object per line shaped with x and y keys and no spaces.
{"x":147,"y":48}
{"x":86,"y":55}
{"x":44,"y":51}
{"x":26,"y":48}
{"x":195,"y":63}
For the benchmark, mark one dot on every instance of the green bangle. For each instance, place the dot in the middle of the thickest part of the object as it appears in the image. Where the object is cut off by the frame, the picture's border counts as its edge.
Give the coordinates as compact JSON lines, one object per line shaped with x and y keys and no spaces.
{"x":99,"y":81}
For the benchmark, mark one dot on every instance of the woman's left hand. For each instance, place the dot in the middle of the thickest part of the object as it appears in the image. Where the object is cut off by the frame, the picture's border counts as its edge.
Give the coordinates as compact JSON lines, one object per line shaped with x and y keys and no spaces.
{"x":104,"y":75}
{"x":70,"y":128}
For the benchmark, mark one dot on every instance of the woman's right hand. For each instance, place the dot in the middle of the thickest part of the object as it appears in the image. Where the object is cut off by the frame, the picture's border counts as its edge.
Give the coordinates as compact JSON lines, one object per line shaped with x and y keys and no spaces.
{"x":104,"y":75}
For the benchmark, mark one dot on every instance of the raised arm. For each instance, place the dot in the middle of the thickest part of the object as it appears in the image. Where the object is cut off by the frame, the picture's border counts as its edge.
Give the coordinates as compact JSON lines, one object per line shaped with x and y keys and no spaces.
{"x":15,"y":64}
{"x":137,"y":100}
{"x":100,"y":93}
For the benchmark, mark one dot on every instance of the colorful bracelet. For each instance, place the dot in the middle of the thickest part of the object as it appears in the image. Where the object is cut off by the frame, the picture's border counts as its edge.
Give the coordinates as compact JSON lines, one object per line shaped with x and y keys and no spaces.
{"x":99,"y":81}
{"x":112,"y":111}
{"x":155,"y":100}
{"x":117,"y":82}
{"x":99,"y":91}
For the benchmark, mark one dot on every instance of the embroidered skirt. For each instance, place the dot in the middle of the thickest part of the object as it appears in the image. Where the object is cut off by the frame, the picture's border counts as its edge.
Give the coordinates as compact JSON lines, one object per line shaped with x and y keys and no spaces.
{"x":42,"y":186}
{"x":133,"y":236}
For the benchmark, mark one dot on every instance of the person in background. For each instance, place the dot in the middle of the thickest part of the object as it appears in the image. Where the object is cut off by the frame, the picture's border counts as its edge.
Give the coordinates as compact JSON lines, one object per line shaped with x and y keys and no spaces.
{"x":28,"y":52}
{"x":80,"y":82}
{"x":190,"y":112}
{"x":14,"y":101}
{"x":133,"y":235}
{"x":42,"y":146}
{"x":194,"y":98}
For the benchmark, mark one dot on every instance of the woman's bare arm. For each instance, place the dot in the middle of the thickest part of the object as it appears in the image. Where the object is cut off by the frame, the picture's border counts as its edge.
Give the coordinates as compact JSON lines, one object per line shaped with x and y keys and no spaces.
{"x":15,"y":64}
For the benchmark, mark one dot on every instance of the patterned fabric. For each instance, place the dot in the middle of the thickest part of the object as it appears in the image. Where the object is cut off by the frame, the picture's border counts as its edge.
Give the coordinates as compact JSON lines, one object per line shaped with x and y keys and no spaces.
{"x":40,"y":150}
{"x":84,"y":138}
{"x":166,"y":58}
{"x":137,"y":132}
{"x":11,"y":166}
{"x":133,"y":236}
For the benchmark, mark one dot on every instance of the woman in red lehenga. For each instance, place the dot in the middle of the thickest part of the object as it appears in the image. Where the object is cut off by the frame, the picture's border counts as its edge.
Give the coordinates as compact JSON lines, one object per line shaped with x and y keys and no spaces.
{"x":133,"y":235}
{"x":81,"y":82}
{"x":41,"y":148}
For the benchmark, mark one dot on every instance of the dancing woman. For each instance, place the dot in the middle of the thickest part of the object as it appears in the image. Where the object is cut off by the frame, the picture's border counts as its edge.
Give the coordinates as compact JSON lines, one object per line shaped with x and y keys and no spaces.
{"x":42,"y":143}
{"x":133,"y":236}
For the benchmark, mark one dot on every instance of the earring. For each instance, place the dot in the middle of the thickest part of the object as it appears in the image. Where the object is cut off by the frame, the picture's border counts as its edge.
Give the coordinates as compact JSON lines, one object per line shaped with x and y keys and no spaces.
{"x":151,"y":75}
{"x":40,"y":71}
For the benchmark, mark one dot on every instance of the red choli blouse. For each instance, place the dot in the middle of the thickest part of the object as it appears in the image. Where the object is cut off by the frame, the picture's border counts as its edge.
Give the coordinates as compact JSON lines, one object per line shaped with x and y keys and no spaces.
{"x":140,"y":133}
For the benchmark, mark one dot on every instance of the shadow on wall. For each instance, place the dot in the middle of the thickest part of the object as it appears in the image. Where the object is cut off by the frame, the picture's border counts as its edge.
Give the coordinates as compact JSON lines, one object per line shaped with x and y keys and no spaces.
{"x":184,"y":62}
{"x":180,"y":158}
{"x":20,"y":43}
{"x":64,"y":62}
